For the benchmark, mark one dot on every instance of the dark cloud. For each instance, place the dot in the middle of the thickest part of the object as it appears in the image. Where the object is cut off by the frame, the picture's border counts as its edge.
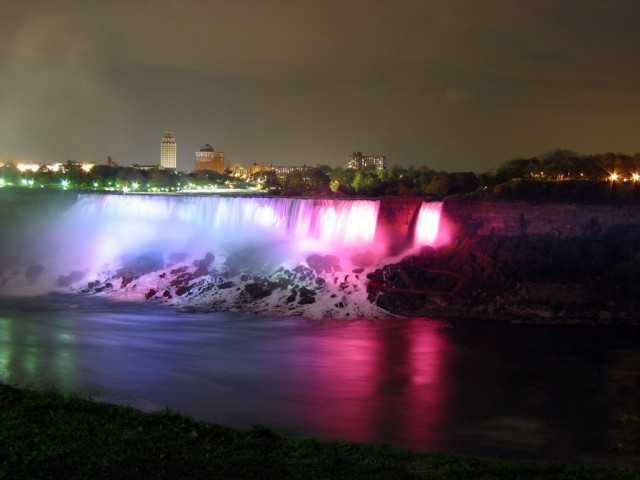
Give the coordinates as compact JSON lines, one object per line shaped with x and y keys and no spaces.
{"x":456,"y":85}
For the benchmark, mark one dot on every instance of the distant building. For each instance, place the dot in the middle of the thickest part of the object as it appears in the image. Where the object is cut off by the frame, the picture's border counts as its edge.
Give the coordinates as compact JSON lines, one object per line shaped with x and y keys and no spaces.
{"x":357,"y":161}
{"x":144,"y":167}
{"x":168,"y":151}
{"x":281,"y":170}
{"x":208,"y":159}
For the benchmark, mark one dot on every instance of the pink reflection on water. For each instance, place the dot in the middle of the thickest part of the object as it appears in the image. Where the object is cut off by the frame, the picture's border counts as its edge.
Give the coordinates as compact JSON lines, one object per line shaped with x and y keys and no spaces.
{"x":371,"y":383}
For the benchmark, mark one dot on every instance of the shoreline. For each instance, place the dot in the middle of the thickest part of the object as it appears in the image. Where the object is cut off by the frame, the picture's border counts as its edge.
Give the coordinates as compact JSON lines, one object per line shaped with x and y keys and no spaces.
{"x":63,"y":435}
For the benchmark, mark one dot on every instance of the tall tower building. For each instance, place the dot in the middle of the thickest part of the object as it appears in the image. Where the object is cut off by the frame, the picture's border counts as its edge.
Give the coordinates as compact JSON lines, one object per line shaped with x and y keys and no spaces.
{"x":168,"y":151}
{"x":208,"y":159}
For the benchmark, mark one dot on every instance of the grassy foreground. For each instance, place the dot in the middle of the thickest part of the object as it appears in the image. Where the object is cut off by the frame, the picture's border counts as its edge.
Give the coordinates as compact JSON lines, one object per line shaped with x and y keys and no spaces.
{"x":54,"y":435}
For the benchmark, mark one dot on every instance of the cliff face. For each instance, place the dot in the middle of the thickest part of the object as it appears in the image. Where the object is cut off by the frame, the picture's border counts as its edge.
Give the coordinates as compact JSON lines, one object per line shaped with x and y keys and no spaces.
{"x":511,"y":219}
{"x":541,"y":263}
{"x":396,"y":219}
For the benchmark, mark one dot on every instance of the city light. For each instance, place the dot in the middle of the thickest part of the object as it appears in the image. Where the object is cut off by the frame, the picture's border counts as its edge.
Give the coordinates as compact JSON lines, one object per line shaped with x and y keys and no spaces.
{"x":23,"y":167}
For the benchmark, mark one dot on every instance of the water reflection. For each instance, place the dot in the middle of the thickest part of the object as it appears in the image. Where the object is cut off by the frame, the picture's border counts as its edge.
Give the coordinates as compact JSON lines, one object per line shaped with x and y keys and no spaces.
{"x":474,"y":387}
{"x":36,"y":354}
{"x":369,"y":382}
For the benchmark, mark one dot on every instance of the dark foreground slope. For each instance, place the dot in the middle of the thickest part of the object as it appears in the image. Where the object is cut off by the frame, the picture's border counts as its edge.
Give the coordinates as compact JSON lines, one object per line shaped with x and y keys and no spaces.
{"x":49,"y":435}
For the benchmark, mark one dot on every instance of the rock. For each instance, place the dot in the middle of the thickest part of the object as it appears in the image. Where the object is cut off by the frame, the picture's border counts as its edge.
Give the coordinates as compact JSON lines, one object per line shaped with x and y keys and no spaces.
{"x":182,"y":290}
{"x":358,"y":270}
{"x":326,"y":263}
{"x":202,"y":266}
{"x":320,"y":281}
{"x":65,"y":281}
{"x":150,"y":294}
{"x":32,"y":273}
{"x":306,"y":300}
{"x":306,"y":292}
{"x":440,"y":301}
{"x":257,"y":290}
{"x":225,"y":285}
{"x":291,"y":298}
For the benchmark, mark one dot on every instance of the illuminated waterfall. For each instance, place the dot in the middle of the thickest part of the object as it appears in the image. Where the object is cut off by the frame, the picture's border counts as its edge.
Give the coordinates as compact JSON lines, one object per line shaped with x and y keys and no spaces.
{"x":428,"y":224}
{"x":99,"y":232}
{"x":104,"y":227}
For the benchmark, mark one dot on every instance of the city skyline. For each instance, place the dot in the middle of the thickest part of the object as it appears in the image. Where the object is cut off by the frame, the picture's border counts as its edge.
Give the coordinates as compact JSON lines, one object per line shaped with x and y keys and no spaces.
{"x":456,"y":86}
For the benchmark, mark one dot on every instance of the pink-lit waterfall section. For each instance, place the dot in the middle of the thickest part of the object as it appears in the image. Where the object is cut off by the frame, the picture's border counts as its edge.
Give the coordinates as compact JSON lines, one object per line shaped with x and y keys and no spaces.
{"x":109,"y":225}
{"x":428,"y":225}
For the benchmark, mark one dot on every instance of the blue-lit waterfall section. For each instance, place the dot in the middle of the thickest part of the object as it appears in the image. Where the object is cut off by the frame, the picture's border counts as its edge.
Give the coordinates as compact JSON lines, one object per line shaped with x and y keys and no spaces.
{"x":114,"y":224}
{"x":428,"y":224}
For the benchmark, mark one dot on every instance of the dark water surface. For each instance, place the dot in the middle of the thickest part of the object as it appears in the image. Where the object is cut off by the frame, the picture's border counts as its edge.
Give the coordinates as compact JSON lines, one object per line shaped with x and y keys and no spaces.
{"x":423,"y":384}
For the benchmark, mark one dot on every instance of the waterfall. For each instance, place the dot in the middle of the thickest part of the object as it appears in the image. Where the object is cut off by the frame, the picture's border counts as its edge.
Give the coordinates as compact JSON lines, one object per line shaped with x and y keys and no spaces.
{"x":428,"y":224}
{"x":99,"y":231}
{"x":100,"y":228}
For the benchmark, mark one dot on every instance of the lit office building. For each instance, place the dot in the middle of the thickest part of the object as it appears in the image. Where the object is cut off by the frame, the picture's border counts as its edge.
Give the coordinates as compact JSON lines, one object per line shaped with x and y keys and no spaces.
{"x":168,"y":151}
{"x":208,"y":159}
{"x":357,"y":161}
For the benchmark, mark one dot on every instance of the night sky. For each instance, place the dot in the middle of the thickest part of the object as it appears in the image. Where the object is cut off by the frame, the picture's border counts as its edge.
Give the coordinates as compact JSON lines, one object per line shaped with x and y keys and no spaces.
{"x":455,"y":85}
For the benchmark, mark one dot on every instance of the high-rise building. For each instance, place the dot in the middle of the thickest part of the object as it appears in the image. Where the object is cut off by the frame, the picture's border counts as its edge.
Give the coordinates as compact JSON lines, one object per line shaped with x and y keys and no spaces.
{"x":168,"y":151}
{"x":208,"y":159}
{"x":357,"y":161}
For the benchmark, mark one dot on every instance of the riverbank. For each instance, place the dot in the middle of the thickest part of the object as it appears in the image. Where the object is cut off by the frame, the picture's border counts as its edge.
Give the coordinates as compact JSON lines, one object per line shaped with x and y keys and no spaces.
{"x":54,"y":435}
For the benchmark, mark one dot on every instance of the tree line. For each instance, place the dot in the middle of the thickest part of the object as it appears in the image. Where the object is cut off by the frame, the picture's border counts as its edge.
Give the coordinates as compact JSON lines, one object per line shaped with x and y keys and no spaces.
{"x":546,"y":174}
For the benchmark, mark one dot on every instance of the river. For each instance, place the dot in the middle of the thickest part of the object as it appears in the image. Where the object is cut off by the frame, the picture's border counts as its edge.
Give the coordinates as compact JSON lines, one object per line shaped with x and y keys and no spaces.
{"x":466,"y":386}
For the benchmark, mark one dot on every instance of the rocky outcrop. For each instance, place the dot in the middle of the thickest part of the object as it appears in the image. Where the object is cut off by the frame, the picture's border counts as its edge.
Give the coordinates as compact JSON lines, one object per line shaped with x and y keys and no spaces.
{"x":535,"y":279}
{"x":316,"y":288}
